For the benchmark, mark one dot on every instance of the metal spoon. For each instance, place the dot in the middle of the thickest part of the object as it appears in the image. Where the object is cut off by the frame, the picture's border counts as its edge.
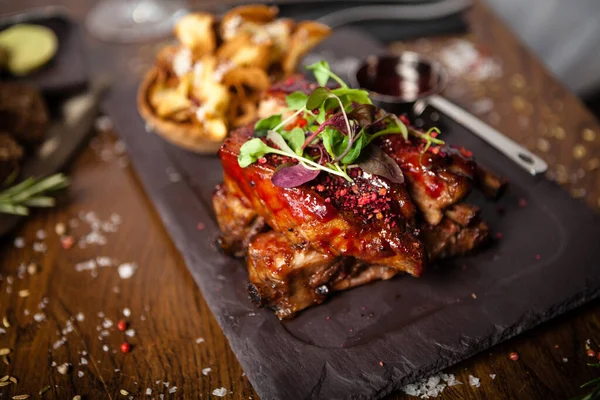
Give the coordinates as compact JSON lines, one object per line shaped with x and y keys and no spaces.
{"x":409,"y":82}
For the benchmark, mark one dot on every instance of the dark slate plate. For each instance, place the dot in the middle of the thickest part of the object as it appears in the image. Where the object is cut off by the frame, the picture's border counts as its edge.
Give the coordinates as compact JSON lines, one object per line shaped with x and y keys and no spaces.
{"x":67,"y":71}
{"x":415,"y":327}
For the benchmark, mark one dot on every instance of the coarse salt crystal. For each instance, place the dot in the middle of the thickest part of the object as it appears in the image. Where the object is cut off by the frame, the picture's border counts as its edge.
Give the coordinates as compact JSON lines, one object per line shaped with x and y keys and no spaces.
{"x":231,"y":26}
{"x":220,"y":392}
{"x":107,"y":323}
{"x":40,"y":247}
{"x":198,"y":71}
{"x":493,"y":376}
{"x":59,"y":343}
{"x":221,"y":70}
{"x":206,"y":371}
{"x":130,"y":332}
{"x":80,"y":374}
{"x":19,"y":242}
{"x":126,"y":270}
{"x":63,"y":368}
{"x":174,"y":176}
{"x":115,"y":218}
{"x":430,"y":387}
{"x":565,"y":359}
{"x":60,"y":229}
{"x":103,"y":123}
{"x":83,"y":361}
{"x":173,"y":389}
{"x":104,"y":261}
{"x":182,"y":62}
{"x":39,"y":317}
{"x":450,"y":379}
{"x":473,"y":381}
{"x":80,"y":317}
{"x":148,"y":391}
{"x":127,"y":312}
{"x":105,"y":348}
{"x":40,"y":234}
{"x":86,"y":265}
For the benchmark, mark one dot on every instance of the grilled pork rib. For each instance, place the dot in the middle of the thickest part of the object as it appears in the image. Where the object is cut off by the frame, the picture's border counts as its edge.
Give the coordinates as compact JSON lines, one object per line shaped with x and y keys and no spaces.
{"x":434,"y":181}
{"x":369,"y":219}
{"x":328,"y":235}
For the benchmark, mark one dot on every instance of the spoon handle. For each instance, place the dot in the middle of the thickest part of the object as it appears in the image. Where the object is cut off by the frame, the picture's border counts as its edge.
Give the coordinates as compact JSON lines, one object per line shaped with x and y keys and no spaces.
{"x":511,"y":149}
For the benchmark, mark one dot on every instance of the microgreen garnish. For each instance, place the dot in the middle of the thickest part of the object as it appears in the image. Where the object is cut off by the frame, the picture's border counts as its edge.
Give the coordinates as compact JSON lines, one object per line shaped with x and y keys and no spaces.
{"x":296,"y":100}
{"x":329,"y":130}
{"x":322,"y":73}
{"x":429,"y":137}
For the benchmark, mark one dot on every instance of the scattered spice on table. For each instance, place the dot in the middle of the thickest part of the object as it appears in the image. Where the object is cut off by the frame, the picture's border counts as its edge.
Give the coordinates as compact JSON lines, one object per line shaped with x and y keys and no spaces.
{"x":432,"y":386}
{"x":220,"y":392}
{"x":125,"y":347}
{"x":474,"y":381}
{"x":122,"y":325}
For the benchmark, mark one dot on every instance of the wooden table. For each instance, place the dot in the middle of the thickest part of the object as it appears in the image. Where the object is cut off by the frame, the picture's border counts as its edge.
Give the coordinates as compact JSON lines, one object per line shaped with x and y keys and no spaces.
{"x":176,"y":336}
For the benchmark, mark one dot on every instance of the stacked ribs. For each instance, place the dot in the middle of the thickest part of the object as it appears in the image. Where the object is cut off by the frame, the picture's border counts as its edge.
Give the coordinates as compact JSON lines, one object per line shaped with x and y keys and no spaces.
{"x":330,"y":234}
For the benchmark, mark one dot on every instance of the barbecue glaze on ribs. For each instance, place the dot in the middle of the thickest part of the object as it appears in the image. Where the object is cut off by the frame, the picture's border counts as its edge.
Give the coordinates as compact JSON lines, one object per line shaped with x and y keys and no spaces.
{"x":328,"y":235}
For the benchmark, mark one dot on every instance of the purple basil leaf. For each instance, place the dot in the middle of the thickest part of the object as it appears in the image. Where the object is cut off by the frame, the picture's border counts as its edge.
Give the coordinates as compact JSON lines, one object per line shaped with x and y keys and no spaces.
{"x":375,"y":162}
{"x":296,"y":175}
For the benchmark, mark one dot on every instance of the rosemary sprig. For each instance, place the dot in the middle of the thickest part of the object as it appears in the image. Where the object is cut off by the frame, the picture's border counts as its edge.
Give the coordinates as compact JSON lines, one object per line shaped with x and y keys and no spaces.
{"x":32,"y":192}
{"x":595,"y":393}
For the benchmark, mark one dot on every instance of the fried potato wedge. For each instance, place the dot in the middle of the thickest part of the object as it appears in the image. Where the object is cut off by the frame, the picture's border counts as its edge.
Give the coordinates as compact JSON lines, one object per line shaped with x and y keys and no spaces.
{"x":306,"y":36}
{"x":189,"y":134}
{"x":280,"y":32}
{"x":214,"y":78}
{"x":244,"y":52}
{"x":234,"y":18}
{"x":167,"y":101}
{"x":248,"y":82}
{"x":196,"y":32}
{"x":242,"y":112}
{"x":214,"y":96}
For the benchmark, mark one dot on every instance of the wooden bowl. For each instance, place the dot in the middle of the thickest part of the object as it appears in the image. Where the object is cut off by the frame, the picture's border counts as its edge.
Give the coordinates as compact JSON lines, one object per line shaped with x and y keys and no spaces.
{"x":183,"y":134}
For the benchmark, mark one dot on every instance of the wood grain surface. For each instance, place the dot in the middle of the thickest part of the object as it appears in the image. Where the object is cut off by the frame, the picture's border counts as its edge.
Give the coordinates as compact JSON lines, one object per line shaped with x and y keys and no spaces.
{"x":168,"y":314}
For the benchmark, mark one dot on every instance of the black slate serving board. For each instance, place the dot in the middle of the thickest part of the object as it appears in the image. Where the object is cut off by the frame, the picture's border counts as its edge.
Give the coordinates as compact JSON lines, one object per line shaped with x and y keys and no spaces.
{"x":370,"y":341}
